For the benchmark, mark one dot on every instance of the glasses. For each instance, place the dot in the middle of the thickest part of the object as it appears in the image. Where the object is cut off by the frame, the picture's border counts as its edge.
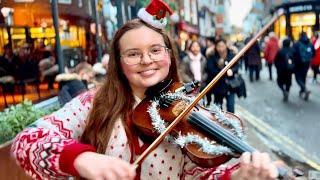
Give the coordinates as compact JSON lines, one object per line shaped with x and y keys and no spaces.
{"x":134,"y":56}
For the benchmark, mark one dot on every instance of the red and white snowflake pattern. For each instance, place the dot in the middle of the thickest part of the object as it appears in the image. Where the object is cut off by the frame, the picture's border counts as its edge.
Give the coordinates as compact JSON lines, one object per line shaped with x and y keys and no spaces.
{"x":37,"y":149}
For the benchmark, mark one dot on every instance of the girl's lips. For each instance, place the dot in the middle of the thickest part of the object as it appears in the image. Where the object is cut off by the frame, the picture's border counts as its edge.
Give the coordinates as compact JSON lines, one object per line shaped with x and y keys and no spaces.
{"x":147,"y":72}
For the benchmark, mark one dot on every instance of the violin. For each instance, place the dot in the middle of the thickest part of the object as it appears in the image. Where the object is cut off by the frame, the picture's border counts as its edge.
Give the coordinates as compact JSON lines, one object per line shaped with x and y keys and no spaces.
{"x":209,"y":137}
{"x":155,"y":111}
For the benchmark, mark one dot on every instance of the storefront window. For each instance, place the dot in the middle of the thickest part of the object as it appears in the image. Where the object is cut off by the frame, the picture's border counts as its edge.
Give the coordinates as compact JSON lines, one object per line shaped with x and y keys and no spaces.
{"x":18,"y":36}
{"x":3,"y":39}
{"x":72,"y":37}
{"x":280,"y":27}
{"x":302,"y":22}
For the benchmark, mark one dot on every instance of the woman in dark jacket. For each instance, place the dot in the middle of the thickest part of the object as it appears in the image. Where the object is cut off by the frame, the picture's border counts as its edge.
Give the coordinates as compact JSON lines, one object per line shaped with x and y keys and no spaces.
{"x":253,"y":60}
{"x":284,"y":65}
{"x":214,"y":65}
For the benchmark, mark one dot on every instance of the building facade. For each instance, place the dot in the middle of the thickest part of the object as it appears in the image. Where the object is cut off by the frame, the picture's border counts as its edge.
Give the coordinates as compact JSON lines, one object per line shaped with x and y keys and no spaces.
{"x":300,"y":16}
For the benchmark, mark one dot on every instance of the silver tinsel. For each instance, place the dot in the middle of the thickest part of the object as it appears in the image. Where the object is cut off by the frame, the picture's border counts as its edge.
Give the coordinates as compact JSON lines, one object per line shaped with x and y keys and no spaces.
{"x":232,"y":123}
{"x":210,"y":147}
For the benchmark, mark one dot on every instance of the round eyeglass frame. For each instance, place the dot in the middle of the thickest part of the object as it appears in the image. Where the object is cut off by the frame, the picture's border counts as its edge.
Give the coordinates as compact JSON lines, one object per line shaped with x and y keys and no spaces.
{"x":166,"y":51}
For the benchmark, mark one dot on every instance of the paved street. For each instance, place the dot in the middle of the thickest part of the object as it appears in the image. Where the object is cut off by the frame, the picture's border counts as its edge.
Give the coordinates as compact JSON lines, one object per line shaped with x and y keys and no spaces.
{"x":291,"y":128}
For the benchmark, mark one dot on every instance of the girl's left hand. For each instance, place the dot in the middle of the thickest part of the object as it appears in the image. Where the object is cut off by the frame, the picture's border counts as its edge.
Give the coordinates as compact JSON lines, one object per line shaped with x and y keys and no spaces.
{"x":255,"y":165}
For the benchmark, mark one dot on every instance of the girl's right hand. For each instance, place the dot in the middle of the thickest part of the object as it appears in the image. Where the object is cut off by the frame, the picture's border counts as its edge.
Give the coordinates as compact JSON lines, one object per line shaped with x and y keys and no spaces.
{"x":91,"y":165}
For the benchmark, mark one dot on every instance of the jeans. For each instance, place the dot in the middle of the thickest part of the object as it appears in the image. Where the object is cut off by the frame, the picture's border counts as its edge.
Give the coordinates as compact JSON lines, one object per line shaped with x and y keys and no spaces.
{"x":252,"y":69}
{"x":270,"y":70}
{"x":301,"y":76}
{"x":230,"y":97}
{"x":284,"y":81}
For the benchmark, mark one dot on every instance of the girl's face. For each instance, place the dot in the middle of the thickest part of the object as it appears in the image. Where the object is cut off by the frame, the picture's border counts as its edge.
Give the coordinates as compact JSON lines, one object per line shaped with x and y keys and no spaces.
{"x":148,"y":72}
{"x":221,"y":47}
{"x":195,"y":48}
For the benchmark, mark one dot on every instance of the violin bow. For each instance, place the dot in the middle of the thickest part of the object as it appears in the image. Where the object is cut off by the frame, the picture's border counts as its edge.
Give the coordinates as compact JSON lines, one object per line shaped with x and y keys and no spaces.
{"x":160,"y":138}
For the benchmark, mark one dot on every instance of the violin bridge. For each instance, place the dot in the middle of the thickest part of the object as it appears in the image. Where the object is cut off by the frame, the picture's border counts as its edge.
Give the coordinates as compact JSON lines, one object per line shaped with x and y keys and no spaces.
{"x":179,"y":107}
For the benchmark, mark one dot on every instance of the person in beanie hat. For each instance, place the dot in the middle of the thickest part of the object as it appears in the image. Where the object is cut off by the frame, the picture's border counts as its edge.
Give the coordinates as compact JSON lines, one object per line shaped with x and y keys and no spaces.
{"x":92,"y":137}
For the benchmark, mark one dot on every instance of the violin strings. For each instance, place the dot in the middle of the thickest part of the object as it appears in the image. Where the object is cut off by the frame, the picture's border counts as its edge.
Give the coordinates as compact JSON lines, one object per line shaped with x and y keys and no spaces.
{"x":212,"y":128}
{"x":218,"y":132}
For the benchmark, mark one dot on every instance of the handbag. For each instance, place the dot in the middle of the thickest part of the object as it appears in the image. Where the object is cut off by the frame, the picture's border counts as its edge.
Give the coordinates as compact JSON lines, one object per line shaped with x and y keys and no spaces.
{"x":236,"y":82}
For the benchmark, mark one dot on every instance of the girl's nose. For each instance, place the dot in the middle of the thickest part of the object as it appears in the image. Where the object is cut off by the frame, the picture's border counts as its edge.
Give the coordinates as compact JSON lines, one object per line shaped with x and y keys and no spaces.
{"x":145,"y":59}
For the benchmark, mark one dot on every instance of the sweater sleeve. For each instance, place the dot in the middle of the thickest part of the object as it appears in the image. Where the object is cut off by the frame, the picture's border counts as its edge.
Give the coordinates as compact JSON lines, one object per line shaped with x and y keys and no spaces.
{"x":47,"y":148}
{"x":193,"y":171}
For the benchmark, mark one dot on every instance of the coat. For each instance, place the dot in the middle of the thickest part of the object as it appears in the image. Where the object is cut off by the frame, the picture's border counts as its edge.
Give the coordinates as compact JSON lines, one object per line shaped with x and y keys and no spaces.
{"x":221,"y":88}
{"x":252,"y":56}
{"x":185,"y":70}
{"x":271,"y":49}
{"x":316,"y":59}
{"x":280,"y":60}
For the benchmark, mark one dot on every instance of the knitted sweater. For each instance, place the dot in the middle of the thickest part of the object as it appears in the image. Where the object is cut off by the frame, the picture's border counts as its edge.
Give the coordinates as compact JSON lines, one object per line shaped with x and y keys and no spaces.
{"x":47,"y":149}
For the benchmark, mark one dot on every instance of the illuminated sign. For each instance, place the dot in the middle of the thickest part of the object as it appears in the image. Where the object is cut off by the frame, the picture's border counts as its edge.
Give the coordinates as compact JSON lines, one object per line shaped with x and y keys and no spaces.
{"x":300,"y":8}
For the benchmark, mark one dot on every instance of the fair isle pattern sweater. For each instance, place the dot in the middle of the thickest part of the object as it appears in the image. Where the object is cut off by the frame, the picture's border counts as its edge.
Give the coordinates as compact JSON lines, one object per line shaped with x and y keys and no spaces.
{"x":47,"y":149}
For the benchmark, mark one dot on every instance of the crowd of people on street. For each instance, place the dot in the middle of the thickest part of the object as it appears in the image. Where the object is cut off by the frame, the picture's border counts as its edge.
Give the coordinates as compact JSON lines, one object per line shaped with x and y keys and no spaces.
{"x":295,"y":58}
{"x":202,"y":62}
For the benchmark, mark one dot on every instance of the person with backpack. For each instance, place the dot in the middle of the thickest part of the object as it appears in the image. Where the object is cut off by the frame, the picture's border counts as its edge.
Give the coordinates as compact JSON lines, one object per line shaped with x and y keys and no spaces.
{"x":303,"y":51}
{"x":285,"y":66}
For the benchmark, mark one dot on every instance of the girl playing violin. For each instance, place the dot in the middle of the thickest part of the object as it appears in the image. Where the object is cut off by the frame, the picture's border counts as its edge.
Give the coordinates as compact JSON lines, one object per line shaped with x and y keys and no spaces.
{"x":89,"y":137}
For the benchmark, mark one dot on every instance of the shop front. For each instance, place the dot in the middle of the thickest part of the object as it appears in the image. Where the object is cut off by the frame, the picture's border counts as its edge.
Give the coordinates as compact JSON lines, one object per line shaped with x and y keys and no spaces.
{"x":299,"y":17}
{"x":32,"y":23}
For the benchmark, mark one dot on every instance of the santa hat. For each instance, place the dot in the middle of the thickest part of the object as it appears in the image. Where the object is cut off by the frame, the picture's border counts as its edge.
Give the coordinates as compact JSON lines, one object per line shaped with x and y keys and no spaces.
{"x":155,"y":14}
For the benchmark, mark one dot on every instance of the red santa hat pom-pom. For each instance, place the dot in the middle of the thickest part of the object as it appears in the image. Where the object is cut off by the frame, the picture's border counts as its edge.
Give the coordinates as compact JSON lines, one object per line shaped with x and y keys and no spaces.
{"x":155,"y":14}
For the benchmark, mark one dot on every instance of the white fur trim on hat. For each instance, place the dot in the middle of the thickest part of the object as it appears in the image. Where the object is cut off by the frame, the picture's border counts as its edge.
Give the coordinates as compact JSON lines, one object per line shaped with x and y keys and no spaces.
{"x":148,"y":18}
{"x":174,"y":17}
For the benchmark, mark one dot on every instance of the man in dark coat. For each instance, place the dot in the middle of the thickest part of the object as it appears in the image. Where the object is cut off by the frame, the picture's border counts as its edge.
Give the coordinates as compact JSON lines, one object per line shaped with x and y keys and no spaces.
{"x":303,"y":51}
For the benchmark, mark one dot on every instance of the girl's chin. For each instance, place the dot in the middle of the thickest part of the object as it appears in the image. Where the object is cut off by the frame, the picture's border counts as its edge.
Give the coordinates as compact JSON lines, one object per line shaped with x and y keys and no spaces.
{"x":151,"y":82}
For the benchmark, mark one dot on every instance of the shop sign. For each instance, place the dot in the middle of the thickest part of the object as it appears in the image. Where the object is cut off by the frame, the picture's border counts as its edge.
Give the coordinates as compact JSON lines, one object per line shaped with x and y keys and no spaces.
{"x":23,"y":0}
{"x":65,"y":1}
{"x":300,"y":8}
{"x":220,"y":9}
{"x":188,"y":28}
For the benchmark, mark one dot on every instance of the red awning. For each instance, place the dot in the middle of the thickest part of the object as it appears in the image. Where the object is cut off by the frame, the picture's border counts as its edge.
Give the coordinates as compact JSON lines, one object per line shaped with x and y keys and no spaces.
{"x":188,"y":28}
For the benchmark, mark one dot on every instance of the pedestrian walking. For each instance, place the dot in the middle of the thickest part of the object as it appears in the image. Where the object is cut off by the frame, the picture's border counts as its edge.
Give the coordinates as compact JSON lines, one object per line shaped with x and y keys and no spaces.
{"x":303,"y":52}
{"x":215,"y":64}
{"x":270,"y":51}
{"x":315,"y":62}
{"x":192,"y":66}
{"x":253,"y":59}
{"x":284,"y":65}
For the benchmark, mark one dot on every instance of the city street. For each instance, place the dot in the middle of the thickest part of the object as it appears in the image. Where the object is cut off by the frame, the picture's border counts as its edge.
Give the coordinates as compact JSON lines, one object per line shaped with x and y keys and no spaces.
{"x":290,"y":128}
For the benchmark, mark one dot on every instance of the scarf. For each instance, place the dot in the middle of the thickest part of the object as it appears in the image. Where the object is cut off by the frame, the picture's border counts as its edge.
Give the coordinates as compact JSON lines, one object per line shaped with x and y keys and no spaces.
{"x":195,"y":65}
